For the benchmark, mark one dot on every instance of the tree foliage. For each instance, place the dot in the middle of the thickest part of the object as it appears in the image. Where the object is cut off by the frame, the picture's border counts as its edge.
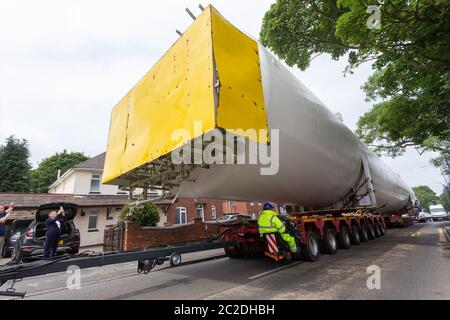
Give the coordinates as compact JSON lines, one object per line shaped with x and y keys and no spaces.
{"x":146,"y":215}
{"x":409,"y":52}
{"x":47,"y":171}
{"x":444,"y":198}
{"x":426,"y":196}
{"x":14,"y":165}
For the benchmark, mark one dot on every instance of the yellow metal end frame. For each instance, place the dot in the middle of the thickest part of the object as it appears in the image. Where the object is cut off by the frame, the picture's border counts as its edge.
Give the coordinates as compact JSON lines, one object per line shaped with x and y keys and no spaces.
{"x":210,"y":75}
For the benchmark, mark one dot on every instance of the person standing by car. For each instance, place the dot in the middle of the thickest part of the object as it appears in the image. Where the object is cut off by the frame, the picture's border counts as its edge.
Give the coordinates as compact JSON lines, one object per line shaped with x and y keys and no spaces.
{"x":53,"y":233}
{"x":4,"y":216}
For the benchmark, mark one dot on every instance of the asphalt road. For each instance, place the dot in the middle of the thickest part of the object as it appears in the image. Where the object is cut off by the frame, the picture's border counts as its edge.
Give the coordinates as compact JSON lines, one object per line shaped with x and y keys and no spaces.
{"x":414,"y":263}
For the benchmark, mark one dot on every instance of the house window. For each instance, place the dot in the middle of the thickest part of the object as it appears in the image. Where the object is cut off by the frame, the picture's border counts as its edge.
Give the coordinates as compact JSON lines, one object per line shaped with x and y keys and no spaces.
{"x":93,"y":217}
{"x":95,"y":183}
{"x":180,"y":215}
{"x":201,"y":211}
{"x":213,"y":212}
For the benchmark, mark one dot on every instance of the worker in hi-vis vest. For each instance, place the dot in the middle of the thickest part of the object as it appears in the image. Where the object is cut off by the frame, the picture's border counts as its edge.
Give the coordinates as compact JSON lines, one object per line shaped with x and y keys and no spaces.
{"x":270,"y":223}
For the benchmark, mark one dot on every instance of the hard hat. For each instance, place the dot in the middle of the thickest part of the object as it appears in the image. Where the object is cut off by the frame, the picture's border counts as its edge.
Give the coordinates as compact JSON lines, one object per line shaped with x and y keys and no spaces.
{"x":268,"y":206}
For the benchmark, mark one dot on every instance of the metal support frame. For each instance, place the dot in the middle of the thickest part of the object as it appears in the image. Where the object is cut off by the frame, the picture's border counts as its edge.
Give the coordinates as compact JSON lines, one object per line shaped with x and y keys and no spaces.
{"x":42,"y":267}
{"x":370,"y":188}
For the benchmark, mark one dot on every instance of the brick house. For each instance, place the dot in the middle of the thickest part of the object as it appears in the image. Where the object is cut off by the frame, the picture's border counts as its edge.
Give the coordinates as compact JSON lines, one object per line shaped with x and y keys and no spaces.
{"x":186,"y":210}
{"x":95,"y":214}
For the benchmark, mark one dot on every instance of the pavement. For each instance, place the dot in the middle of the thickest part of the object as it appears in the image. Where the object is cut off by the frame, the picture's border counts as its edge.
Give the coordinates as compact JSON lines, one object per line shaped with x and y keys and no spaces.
{"x":414,"y":263}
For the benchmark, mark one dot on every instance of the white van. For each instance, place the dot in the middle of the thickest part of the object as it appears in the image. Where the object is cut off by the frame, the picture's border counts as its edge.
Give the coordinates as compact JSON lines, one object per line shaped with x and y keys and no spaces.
{"x":438,"y":212}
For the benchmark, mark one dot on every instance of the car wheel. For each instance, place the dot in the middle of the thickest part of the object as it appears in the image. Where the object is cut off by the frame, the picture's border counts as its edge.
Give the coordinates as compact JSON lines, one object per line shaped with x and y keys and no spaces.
{"x":355,"y":239}
{"x":363,"y":234}
{"x":329,"y":241}
{"x":15,"y":255}
{"x":371,"y":232}
{"x":344,"y":238}
{"x":5,"y":250}
{"x":310,"y":250}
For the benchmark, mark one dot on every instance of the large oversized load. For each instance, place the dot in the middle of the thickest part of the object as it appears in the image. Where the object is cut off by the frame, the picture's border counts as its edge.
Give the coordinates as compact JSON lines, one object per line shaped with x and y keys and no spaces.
{"x":217,"y":81}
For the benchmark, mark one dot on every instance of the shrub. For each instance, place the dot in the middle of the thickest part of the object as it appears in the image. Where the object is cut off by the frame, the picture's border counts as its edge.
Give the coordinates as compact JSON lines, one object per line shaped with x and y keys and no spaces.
{"x":146,"y":215}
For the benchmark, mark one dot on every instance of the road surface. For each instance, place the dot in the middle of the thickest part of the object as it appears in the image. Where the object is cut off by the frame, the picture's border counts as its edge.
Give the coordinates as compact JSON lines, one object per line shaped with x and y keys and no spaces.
{"x":414,"y":263}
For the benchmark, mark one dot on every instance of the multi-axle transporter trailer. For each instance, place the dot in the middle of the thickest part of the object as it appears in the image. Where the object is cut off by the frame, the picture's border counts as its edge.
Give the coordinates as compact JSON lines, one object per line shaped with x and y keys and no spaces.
{"x":316,"y":232}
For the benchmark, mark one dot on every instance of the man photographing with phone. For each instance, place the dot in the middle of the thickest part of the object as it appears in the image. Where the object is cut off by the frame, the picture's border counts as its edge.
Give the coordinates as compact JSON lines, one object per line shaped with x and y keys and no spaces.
{"x":4,"y":216}
{"x":53,"y":224}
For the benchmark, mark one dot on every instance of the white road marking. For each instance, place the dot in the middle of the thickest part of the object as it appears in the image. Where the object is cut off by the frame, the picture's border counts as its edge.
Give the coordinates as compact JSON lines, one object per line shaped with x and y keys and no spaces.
{"x":275,"y":270}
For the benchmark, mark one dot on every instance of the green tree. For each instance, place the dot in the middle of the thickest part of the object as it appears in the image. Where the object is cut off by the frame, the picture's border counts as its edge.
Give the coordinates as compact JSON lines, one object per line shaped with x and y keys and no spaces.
{"x":426,"y":196}
{"x":408,"y":47}
{"x":146,"y":215}
{"x":47,"y":171}
{"x":444,"y":199}
{"x":14,"y":165}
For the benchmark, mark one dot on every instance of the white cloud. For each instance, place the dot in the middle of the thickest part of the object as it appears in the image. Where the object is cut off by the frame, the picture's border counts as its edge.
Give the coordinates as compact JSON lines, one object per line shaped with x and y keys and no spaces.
{"x":65,"y":64}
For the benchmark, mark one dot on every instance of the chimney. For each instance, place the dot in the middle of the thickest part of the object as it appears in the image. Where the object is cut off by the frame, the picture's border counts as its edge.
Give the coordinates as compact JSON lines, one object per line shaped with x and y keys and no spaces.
{"x":59,"y":174}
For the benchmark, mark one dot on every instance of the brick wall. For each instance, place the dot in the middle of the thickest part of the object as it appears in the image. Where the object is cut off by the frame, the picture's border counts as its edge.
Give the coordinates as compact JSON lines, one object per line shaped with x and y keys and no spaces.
{"x":136,"y":237}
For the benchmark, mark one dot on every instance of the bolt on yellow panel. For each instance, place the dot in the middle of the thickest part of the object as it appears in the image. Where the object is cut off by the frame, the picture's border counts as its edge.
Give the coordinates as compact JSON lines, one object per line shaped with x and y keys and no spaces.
{"x":174,"y":94}
{"x":241,"y":100}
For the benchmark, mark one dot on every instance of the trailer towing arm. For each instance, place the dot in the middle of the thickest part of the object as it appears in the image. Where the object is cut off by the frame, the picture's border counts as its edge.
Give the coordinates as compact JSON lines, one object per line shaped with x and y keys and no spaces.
{"x":146,"y":259}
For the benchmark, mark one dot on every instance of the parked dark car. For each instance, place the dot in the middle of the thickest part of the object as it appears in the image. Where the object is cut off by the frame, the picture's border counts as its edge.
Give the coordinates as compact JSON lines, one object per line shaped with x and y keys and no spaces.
{"x":13,"y":230}
{"x":31,"y":242}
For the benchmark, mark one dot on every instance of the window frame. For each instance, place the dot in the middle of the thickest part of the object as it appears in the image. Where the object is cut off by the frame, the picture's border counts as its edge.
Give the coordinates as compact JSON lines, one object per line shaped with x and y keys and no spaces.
{"x":93,"y":213}
{"x":197,"y":207}
{"x":181,"y":210}
{"x":213,"y":212}
{"x":99,"y":180}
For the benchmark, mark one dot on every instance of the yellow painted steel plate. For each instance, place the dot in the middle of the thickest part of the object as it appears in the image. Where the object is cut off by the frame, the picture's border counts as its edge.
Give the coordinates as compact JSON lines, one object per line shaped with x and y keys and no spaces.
{"x":241,"y":101}
{"x":174,"y":94}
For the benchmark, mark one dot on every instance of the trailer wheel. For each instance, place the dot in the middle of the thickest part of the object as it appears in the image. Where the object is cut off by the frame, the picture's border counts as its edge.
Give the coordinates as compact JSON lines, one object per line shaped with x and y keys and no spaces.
{"x":233,"y":252}
{"x":175,"y":259}
{"x":382,"y":230}
{"x":329,"y":241}
{"x":376,"y":229}
{"x":310,"y":250}
{"x":363,"y":234}
{"x":344,"y":238}
{"x":355,"y":239}
{"x":371,"y":232}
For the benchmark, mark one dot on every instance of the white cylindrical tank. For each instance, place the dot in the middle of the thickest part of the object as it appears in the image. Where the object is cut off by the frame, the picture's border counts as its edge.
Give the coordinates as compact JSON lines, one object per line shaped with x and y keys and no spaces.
{"x":216,"y":75}
{"x":320,"y":158}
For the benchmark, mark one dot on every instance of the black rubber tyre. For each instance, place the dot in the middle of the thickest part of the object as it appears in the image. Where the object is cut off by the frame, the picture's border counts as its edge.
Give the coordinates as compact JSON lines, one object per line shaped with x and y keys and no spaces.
{"x":355,"y":238}
{"x":5,"y":253}
{"x":233,"y":252}
{"x":371,"y":232}
{"x":344,"y":238}
{"x":175,"y":259}
{"x":310,"y":250}
{"x":15,"y":254}
{"x":329,"y":241}
{"x":382,"y":229}
{"x":363,"y":234}
{"x":376,"y":228}
{"x":160,"y":261}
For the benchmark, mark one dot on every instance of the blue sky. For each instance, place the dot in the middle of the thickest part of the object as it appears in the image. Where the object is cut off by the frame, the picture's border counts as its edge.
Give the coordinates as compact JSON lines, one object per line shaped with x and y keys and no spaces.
{"x":65,"y":64}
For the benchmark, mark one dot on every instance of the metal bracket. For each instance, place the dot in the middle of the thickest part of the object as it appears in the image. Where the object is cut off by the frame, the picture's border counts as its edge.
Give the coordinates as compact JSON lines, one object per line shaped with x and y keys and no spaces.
{"x":145,"y":266}
{"x":11,"y":291}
